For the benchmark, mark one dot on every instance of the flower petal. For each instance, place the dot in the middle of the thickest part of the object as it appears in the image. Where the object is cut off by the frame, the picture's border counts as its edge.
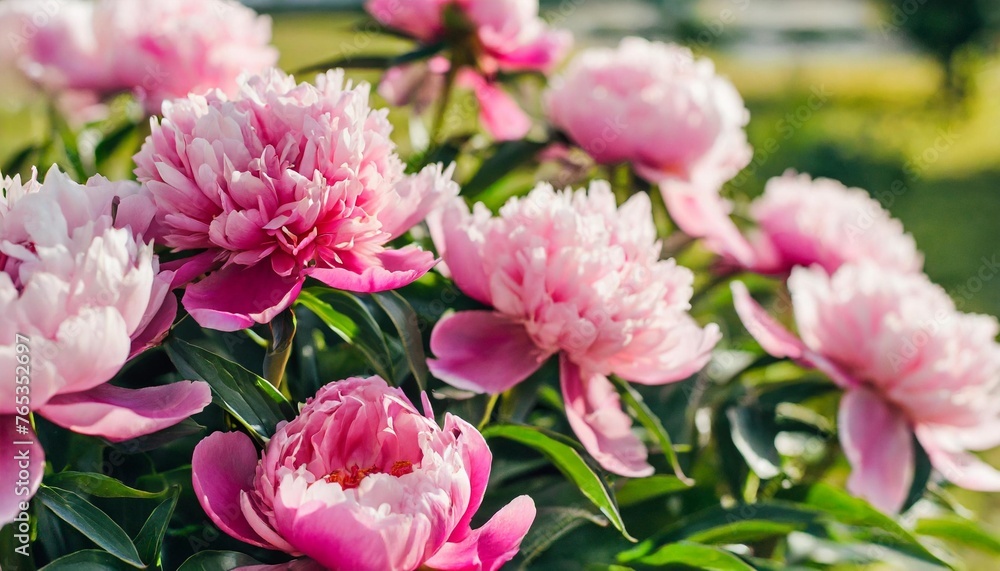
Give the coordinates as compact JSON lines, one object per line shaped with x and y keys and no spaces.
{"x":879,"y":445}
{"x":500,"y":115}
{"x":400,"y":267}
{"x":959,"y":466}
{"x":489,"y":547}
{"x":223,"y":466}
{"x":595,"y":412}
{"x":478,"y":462}
{"x":22,"y":452}
{"x":483,"y":351}
{"x":121,"y":414}
{"x":236,"y":297}
{"x":771,"y":335}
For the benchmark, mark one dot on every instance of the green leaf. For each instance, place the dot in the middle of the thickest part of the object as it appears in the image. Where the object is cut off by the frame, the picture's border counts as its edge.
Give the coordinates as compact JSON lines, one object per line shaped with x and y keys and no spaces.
{"x":249,"y":398}
{"x":652,"y":423}
{"x":508,"y":156}
{"x":113,"y":141}
{"x":374,"y":61}
{"x":92,"y":484}
{"x":407,"y":324}
{"x":747,"y":531}
{"x":21,"y":159}
{"x":569,"y":462}
{"x":639,"y":490}
{"x":753,"y":431}
{"x":69,"y":145}
{"x":696,"y":556}
{"x":91,"y":522}
{"x":216,"y":560}
{"x":960,"y":530}
{"x":87,"y":560}
{"x":352,"y":321}
{"x":550,"y":525}
{"x":150,"y":537}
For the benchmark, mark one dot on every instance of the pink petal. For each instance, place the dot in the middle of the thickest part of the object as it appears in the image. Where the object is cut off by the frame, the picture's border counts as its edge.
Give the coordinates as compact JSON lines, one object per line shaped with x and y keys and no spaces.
{"x":595,"y":412}
{"x":490,"y":546}
{"x":879,"y":445}
{"x":119,"y":414}
{"x":702,"y":213}
{"x":236,"y":297}
{"x":187,"y":269}
{"x":399,"y":268}
{"x":483,"y":351}
{"x":159,"y":324}
{"x":13,"y":462}
{"x":478,"y":461}
{"x":771,"y":335}
{"x":222,"y":467}
{"x":958,"y":466}
{"x":419,"y":194}
{"x":450,"y":227}
{"x":500,"y":115}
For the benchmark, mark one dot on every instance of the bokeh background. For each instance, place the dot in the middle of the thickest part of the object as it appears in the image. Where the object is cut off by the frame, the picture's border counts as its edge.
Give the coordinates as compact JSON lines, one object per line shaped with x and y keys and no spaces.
{"x":900,"y":97}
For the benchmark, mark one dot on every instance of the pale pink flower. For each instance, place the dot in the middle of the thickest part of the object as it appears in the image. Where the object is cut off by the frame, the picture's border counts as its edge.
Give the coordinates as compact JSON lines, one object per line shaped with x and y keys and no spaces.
{"x":657,"y":107}
{"x":158,"y":50}
{"x":82,"y":286}
{"x":568,"y":273}
{"x":802,"y":221}
{"x":282,"y":182}
{"x":509,"y":35}
{"x":360,"y":480}
{"x":910,"y":364}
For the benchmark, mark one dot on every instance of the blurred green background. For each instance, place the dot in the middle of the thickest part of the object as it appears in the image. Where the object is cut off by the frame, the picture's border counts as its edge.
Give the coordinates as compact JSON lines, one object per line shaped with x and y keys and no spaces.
{"x":897,"y":97}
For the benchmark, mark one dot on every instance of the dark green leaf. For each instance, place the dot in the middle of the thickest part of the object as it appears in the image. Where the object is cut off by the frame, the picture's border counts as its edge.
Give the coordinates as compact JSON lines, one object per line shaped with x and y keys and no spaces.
{"x":697,"y":556}
{"x":87,"y":560}
{"x":158,"y":439}
{"x":150,"y":537}
{"x":508,"y":156}
{"x":569,"y":462}
{"x":69,"y":145}
{"x":91,"y":522}
{"x":21,"y":160}
{"x":374,"y":61}
{"x":352,"y":321}
{"x":113,"y":141}
{"x":639,"y":490}
{"x":753,"y":431}
{"x":652,"y":423}
{"x":746,"y":531}
{"x":921,"y":475}
{"x":249,"y":398}
{"x":92,"y":484}
{"x":551,"y":524}
{"x":217,"y":560}
{"x":407,"y":324}
{"x":961,"y":531}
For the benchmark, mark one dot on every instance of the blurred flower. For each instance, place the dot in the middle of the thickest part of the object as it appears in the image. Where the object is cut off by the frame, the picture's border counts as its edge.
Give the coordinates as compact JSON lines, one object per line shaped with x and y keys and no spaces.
{"x":568,"y":273}
{"x":503,"y":35}
{"x":669,"y":115}
{"x":361,"y":480}
{"x":803,"y":221}
{"x":910,"y":364}
{"x":157,"y":50}
{"x":282,"y":182}
{"x":78,"y":281}
{"x":486,"y":37}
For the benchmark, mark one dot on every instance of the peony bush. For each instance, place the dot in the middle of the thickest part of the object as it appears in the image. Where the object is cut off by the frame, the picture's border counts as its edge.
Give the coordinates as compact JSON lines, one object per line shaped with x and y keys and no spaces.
{"x":621,"y":362}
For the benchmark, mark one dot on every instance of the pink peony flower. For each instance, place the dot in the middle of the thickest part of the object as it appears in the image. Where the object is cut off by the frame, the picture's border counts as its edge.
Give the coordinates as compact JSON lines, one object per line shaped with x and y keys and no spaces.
{"x":80,"y":284}
{"x":910,"y":364}
{"x":158,"y":50}
{"x":361,"y":480}
{"x":568,"y":273}
{"x":508,"y":35}
{"x":279,"y":183}
{"x":668,"y":114}
{"x":803,"y":221}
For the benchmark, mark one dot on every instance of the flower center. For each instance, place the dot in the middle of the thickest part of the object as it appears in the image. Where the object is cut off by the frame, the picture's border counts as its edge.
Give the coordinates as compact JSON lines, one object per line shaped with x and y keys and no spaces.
{"x":351,"y":478}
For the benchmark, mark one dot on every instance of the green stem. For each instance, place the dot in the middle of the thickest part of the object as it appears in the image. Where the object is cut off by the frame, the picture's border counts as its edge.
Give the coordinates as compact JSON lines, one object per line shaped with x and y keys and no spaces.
{"x":441,"y":113}
{"x":622,"y":182}
{"x":490,"y":405}
{"x":280,"y":348}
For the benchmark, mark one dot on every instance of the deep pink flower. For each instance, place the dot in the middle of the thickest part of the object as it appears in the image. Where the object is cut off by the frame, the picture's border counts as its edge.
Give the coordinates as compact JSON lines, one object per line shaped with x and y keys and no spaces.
{"x":910,"y":363}
{"x":669,"y":115}
{"x":802,"y":221}
{"x":282,"y":182}
{"x":509,"y":34}
{"x":360,"y":480}
{"x":568,"y":273}
{"x":158,"y":50}
{"x":86,"y":291}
